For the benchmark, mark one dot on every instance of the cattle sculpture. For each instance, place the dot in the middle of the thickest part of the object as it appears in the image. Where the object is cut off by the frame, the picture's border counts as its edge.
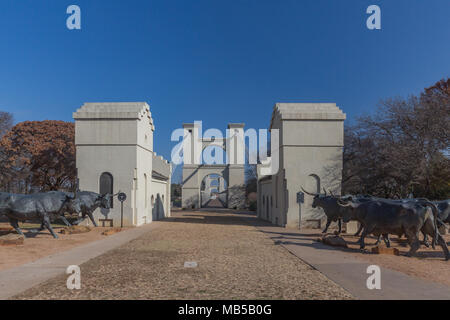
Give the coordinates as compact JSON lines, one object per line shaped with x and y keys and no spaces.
{"x":44,"y":206}
{"x":391,"y":217}
{"x":38,"y":206}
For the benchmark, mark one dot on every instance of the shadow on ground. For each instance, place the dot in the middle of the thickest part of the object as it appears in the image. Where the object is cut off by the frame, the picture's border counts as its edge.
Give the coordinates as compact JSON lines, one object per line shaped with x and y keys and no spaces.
{"x":282,"y":238}
{"x":216,"y":217}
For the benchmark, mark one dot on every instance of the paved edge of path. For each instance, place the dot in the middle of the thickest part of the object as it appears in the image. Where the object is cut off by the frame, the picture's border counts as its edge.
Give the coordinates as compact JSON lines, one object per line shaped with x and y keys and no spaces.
{"x":18,"y":279}
{"x":351,"y":273}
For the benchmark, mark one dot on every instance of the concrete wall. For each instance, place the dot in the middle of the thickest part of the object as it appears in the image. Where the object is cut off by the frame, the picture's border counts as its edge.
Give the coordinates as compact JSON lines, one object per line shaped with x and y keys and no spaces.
{"x":144,"y":188}
{"x":190,"y":195}
{"x":265,"y":211}
{"x":160,"y":206}
{"x":234,"y":174}
{"x":118,"y":138}
{"x":92,"y":161}
{"x":192,"y":179}
{"x":310,"y":155}
{"x":161,"y":165}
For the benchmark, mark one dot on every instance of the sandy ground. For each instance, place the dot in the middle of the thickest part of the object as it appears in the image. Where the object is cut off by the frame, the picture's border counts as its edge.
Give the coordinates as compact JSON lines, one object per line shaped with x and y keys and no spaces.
{"x":235,"y":261}
{"x":429,"y":264}
{"x":42,"y":245}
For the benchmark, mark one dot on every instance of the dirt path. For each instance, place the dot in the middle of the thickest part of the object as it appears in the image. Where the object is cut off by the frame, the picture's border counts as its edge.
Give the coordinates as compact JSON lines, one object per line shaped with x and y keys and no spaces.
{"x":349,"y":267}
{"x":429,"y":264}
{"x":42,"y":245}
{"x":235,"y":261}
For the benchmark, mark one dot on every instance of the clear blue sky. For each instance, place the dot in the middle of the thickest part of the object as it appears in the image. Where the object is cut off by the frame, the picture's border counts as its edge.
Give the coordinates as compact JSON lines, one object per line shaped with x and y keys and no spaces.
{"x":216,"y":61}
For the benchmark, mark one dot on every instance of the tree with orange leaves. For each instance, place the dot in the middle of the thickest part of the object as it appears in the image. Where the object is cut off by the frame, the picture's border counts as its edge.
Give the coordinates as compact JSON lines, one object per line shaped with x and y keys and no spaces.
{"x":38,"y":156}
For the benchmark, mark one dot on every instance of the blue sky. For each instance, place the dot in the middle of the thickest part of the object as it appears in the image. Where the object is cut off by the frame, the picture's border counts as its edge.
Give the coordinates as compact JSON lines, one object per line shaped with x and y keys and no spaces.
{"x":216,"y":61}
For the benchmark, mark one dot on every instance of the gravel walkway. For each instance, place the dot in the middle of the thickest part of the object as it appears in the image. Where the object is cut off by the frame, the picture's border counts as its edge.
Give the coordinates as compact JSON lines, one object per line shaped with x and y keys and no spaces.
{"x":235,"y":261}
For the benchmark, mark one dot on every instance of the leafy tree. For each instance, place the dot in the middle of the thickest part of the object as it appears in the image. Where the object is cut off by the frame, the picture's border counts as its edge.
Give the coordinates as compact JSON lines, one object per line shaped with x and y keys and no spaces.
{"x":39,"y":155}
{"x":176,"y":190}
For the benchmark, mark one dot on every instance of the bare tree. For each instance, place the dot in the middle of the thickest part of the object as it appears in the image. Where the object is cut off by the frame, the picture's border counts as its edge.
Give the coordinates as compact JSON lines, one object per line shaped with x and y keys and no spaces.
{"x":250,"y":178}
{"x":403,"y":148}
{"x":6,"y":122}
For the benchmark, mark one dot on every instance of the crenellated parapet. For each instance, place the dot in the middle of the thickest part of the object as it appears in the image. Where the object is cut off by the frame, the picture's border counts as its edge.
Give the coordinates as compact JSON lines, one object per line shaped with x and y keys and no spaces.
{"x":161,"y":167}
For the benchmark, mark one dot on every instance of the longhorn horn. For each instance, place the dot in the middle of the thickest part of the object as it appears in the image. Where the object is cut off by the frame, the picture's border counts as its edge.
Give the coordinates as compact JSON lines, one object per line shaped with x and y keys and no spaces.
{"x":342,"y":204}
{"x":311,"y":194}
{"x":116,"y":194}
{"x":324,"y":191}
